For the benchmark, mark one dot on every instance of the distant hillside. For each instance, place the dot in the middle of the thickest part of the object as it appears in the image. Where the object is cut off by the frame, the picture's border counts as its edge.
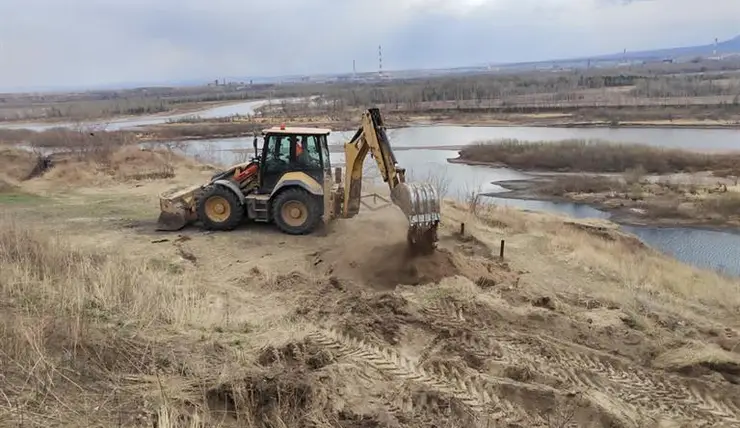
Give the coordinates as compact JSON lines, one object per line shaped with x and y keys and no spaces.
{"x":725,"y":47}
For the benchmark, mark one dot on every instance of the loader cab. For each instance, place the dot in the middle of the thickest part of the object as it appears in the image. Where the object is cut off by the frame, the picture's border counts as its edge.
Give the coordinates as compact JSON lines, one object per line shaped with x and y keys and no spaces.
{"x":287,"y":150}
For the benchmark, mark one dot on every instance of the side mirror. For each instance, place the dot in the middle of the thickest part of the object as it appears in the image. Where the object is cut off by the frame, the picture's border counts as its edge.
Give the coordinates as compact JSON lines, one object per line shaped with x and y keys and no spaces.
{"x":254,"y":143}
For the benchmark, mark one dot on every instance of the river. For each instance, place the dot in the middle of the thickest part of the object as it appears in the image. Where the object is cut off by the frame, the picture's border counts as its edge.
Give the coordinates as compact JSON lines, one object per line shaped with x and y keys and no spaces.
{"x":719,"y":251}
{"x":240,"y":108}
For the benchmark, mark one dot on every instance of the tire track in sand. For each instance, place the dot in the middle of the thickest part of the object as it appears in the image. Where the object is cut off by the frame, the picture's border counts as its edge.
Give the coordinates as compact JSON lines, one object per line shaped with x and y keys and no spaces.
{"x":658,"y":395}
{"x":469,"y":390}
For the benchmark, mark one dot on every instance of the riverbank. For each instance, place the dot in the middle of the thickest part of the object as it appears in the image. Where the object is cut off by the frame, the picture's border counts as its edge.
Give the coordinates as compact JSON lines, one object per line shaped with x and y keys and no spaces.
{"x":173,"y":110}
{"x":216,"y":128}
{"x":394,"y":118}
{"x":563,"y":120}
{"x":173,"y":126}
{"x":635,"y":184}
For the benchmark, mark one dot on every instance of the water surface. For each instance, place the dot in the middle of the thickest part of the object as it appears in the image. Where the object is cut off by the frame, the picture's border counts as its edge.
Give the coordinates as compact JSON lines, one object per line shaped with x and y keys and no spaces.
{"x":451,"y":135}
{"x":242,"y":108}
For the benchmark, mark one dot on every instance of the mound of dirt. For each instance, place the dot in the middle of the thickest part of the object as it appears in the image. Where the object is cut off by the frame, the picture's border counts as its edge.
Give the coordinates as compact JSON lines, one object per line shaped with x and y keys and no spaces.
{"x":73,"y":173}
{"x":385,"y":266}
{"x":381,"y":316}
{"x":372,"y":316}
{"x":18,"y":165}
{"x":131,"y":162}
{"x":125,"y":163}
{"x":395,"y":265}
{"x":7,"y":185}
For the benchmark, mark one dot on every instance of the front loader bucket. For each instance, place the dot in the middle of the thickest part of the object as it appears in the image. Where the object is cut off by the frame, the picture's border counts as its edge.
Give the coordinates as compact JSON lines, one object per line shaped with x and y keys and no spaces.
{"x":170,"y":221}
{"x":177,"y":209}
{"x":420,"y":202}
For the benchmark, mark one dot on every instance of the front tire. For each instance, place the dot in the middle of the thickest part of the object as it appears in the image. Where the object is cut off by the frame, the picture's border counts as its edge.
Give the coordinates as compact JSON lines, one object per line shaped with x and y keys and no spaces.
{"x":219,"y":208}
{"x":296,"y":212}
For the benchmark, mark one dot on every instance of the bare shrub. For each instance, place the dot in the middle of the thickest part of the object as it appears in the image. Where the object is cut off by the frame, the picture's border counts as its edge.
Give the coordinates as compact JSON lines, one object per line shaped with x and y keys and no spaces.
{"x":560,"y":186}
{"x":437,"y":177}
{"x":634,"y":175}
{"x":207,"y":129}
{"x":594,"y":156}
{"x":472,"y":197}
{"x":727,"y":204}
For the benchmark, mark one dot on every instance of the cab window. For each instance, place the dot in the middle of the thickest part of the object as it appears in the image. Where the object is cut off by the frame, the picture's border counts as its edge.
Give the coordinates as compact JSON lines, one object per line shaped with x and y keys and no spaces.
{"x":324,"y":151}
{"x":277,"y":153}
{"x":307,"y":151}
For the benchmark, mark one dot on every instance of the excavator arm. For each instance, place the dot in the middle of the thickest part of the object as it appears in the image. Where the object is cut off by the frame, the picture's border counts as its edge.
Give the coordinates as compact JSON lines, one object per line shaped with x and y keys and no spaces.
{"x":418,"y":201}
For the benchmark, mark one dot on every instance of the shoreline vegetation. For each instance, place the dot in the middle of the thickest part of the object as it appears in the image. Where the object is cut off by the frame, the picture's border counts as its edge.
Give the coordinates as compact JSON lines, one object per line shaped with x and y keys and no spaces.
{"x":699,"y":94}
{"x":194,"y":128}
{"x":637,"y":184}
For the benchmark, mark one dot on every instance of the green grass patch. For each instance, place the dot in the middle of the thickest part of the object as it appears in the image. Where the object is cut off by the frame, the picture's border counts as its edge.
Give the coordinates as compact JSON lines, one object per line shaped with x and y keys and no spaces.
{"x":20,"y":198}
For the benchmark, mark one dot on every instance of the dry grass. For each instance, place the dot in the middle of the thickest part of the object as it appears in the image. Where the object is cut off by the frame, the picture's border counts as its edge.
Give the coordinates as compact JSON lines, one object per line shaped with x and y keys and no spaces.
{"x":76,"y":138}
{"x":91,"y":166}
{"x":75,"y":321}
{"x":594,"y":156}
{"x":561,"y":186}
{"x":609,"y":256}
{"x":725,"y":204}
{"x":697,"y":355}
{"x":16,"y":164}
{"x":203,"y":130}
{"x":92,"y":337}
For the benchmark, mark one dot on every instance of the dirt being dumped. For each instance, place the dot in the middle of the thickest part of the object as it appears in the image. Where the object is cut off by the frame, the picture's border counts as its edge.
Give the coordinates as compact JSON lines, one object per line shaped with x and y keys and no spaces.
{"x":395,"y":265}
{"x":388,"y":265}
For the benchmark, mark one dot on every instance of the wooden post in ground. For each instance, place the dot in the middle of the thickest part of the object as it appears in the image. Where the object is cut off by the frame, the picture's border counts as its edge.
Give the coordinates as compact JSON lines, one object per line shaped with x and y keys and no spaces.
{"x":501,"y":252}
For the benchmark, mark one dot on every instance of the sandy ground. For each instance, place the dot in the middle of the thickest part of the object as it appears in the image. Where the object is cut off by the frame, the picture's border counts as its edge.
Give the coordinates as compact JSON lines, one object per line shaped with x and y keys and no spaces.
{"x":578,"y":325}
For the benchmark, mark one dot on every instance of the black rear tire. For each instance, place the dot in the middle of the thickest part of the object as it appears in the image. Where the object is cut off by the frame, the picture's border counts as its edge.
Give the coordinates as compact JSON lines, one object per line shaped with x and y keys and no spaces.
{"x":299,"y":199}
{"x":230,"y":220}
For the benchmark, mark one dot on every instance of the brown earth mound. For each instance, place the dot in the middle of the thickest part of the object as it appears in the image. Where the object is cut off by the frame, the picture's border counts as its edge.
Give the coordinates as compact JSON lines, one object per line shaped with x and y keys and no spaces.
{"x":394,"y":264}
{"x":124,"y":163}
{"x":7,"y":185}
{"x":133,"y":163}
{"x":381,"y":317}
{"x":18,"y":165}
{"x":385,"y":266}
{"x":88,"y":166}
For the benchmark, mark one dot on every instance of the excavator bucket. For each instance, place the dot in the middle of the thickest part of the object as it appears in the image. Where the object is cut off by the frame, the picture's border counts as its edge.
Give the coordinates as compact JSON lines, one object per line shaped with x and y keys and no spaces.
{"x":421,"y":205}
{"x":177,"y":209}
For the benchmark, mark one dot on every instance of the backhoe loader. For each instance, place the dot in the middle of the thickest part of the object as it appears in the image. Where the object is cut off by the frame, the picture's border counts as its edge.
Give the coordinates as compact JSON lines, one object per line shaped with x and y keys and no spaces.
{"x":290,"y":184}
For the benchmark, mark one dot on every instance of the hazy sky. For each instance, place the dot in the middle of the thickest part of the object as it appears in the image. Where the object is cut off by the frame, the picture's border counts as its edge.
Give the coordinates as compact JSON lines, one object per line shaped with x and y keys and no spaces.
{"x":90,"y":42}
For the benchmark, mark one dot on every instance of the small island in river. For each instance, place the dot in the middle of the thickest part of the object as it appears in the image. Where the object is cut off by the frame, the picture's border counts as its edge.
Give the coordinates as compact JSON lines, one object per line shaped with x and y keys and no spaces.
{"x":637,"y":184}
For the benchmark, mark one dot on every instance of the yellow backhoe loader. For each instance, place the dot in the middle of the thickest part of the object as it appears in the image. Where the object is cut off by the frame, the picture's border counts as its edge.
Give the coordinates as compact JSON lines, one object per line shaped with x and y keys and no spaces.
{"x":290,"y":184}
